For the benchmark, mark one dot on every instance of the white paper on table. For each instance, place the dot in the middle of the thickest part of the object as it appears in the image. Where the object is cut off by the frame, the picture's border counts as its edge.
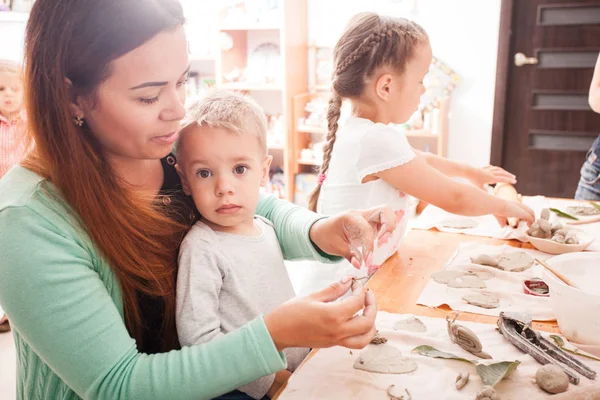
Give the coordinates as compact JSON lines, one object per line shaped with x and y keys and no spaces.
{"x":487,"y":226}
{"x":330,"y":374}
{"x":508,"y":286}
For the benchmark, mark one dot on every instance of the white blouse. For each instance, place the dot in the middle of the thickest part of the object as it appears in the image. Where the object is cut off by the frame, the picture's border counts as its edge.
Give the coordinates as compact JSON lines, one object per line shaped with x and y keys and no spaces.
{"x":363,"y":148}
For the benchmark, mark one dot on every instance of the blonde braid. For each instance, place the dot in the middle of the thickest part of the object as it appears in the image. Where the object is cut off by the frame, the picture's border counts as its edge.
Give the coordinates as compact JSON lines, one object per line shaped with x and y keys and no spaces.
{"x":333,"y":116}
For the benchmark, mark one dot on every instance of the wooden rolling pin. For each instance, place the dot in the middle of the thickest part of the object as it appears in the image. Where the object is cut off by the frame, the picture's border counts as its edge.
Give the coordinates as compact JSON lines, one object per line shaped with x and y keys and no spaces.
{"x":507,"y":191}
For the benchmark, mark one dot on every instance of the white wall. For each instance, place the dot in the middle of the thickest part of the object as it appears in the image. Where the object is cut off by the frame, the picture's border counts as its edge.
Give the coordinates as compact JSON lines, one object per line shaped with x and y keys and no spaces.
{"x":12,"y":33}
{"x":463,"y":33}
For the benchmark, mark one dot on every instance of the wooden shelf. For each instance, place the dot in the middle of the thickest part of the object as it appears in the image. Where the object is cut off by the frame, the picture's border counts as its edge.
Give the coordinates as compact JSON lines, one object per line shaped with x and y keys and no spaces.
{"x":287,"y":27}
{"x":247,"y":86}
{"x":311,"y":129}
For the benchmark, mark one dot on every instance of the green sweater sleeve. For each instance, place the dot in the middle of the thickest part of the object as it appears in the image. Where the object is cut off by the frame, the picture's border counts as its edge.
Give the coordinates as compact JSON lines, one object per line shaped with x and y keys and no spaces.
{"x":292,"y":225}
{"x":61,"y":308}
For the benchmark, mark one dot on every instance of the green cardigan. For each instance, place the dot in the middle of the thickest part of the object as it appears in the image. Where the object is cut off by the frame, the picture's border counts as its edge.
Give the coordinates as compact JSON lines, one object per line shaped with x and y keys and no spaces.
{"x":65,"y":307}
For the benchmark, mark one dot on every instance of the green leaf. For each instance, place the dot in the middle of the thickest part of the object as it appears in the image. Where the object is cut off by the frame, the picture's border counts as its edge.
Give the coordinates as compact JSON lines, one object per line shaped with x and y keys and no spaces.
{"x":558,"y":340}
{"x":561,"y":343}
{"x":563,"y":214}
{"x":429,"y":351}
{"x":494,"y":373}
{"x":596,"y":205}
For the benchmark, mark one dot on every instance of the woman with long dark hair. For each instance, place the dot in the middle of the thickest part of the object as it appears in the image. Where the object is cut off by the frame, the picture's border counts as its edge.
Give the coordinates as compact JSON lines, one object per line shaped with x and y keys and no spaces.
{"x":91,"y":221}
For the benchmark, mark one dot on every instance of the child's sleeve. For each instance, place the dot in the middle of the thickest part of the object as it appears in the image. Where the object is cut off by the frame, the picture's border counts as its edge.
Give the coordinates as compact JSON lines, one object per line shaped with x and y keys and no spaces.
{"x":382,"y":148}
{"x":199,"y":282}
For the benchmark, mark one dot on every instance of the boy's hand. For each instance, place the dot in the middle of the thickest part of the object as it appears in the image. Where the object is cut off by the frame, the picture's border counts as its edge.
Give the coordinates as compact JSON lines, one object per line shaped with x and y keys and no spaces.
{"x":489,"y":175}
{"x":281,"y":379}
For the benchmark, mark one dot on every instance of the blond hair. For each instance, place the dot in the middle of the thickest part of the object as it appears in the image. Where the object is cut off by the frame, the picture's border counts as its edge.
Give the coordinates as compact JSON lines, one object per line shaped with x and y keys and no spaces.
{"x":230,"y":111}
{"x":369,"y":42}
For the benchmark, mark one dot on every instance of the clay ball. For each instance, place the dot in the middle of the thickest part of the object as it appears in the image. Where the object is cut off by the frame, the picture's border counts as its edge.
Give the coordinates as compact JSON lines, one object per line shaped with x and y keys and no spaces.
{"x":552,"y":379}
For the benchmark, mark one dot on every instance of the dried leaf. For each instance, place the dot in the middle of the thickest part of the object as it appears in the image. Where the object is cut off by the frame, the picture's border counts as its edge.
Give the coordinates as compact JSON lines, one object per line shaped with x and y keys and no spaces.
{"x":574,"y":350}
{"x":493,"y":373}
{"x":563,"y":214}
{"x":429,"y":351}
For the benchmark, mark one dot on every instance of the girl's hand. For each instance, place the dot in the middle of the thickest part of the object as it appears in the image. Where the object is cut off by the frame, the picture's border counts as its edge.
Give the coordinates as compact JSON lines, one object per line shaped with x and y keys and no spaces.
{"x":316,"y":321}
{"x":490,"y":175}
{"x":343,"y":234}
{"x":515,"y":209}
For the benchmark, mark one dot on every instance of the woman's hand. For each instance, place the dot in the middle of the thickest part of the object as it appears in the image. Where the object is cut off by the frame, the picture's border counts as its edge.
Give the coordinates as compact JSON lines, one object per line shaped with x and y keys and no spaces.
{"x":344,"y":234}
{"x":490,"y":175}
{"x":316,"y":321}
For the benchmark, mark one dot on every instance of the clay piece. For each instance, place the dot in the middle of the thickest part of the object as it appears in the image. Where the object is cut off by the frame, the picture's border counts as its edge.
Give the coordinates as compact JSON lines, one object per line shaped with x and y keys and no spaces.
{"x":542,"y":229}
{"x":378,"y":339}
{"x":467,"y":281}
{"x":545,"y":214}
{"x":485,"y":275}
{"x":483,"y":300}
{"x":459,"y":224}
{"x":465,"y":338}
{"x":461,"y":380}
{"x":411,"y":324}
{"x":487,"y":393}
{"x":515,"y":262}
{"x":485,"y":259}
{"x":397,"y":393}
{"x":552,"y":379}
{"x":583,"y":210}
{"x":446,"y":276}
{"x":384,"y":359}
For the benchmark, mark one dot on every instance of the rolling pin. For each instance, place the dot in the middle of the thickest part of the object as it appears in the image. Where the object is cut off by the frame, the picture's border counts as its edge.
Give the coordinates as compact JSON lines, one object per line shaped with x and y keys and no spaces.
{"x":507,"y":191}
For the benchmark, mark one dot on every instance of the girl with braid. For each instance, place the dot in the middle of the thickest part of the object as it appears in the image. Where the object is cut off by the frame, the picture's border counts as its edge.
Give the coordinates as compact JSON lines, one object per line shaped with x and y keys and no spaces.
{"x":379,"y":66}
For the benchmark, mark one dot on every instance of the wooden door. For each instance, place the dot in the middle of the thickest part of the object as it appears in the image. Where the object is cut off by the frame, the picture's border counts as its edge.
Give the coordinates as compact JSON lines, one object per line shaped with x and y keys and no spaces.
{"x":543,"y":124}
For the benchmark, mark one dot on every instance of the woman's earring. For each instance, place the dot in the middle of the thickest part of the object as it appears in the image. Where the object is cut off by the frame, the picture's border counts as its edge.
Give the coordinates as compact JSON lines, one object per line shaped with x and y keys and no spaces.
{"x":78,"y":120}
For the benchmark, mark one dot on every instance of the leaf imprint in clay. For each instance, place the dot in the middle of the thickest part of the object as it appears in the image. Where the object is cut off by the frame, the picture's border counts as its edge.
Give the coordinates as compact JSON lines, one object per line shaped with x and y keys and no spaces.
{"x":445,"y":276}
{"x":384,"y":359}
{"x":515,"y":262}
{"x":485,"y":259}
{"x":483,"y":300}
{"x":485,"y":275}
{"x":411,"y":324}
{"x":467,"y":281}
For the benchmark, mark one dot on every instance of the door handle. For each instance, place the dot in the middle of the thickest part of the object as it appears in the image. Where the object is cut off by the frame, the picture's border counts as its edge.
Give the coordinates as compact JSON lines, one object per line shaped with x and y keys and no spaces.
{"x":521,"y":59}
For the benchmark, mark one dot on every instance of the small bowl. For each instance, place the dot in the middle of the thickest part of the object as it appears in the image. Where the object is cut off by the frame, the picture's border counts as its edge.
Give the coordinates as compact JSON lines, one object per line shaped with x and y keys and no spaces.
{"x":552,"y":247}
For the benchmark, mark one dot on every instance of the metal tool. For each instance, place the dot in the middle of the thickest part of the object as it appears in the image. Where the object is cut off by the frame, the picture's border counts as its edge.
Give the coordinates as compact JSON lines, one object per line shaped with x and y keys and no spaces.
{"x":517,"y":329}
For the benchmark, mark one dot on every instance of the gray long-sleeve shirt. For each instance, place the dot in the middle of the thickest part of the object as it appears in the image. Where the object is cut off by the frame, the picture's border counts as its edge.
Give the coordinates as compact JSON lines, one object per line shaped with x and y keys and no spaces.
{"x":227,"y":280}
